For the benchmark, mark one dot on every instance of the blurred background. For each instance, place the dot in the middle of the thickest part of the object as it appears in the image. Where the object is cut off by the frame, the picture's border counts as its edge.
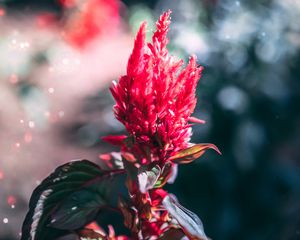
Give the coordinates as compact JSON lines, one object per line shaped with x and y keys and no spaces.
{"x":58,"y":58}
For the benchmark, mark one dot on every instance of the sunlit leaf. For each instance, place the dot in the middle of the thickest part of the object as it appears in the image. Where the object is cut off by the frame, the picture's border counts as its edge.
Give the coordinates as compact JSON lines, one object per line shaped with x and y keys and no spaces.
{"x":192,"y":153}
{"x":68,"y":199}
{"x":164,"y":176}
{"x":174,"y":234}
{"x":89,"y":234}
{"x":173,"y":175}
{"x":189,"y":221}
{"x":147,"y":177}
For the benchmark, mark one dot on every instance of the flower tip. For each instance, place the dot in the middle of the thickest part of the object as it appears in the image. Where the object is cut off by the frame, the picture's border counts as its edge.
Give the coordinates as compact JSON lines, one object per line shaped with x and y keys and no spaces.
{"x":196,"y":120}
{"x":114,"y":83}
{"x":143,"y":26}
{"x":193,"y":58}
{"x":114,"y":140}
{"x":165,"y":15}
{"x":214,"y":147}
{"x":168,"y":12}
{"x":142,"y":30}
{"x":141,"y":33}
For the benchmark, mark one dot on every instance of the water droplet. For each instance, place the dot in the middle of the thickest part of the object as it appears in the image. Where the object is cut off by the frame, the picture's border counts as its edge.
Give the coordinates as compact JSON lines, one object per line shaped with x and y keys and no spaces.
{"x":5,"y":220}
{"x":31,"y":124}
{"x":51,"y":90}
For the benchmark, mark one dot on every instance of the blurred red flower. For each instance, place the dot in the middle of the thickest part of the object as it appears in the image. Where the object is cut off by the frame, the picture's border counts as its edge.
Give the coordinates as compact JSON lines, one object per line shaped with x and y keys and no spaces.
{"x":89,"y":19}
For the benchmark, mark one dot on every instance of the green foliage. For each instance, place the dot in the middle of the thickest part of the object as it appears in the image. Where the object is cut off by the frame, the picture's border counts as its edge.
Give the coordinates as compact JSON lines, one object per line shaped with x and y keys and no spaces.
{"x":70,"y":198}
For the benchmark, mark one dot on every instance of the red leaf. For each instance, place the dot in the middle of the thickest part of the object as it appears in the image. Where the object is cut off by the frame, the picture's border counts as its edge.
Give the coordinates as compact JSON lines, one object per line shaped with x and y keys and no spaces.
{"x":90,"y":234}
{"x":192,"y":153}
{"x":114,"y":140}
{"x":196,"y":120}
{"x":129,"y":157}
{"x":130,"y":215}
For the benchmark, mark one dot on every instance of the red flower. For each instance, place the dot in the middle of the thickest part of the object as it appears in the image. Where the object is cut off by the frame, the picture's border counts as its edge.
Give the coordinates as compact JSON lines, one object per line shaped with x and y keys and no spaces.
{"x":156,"y":98}
{"x":92,"y":18}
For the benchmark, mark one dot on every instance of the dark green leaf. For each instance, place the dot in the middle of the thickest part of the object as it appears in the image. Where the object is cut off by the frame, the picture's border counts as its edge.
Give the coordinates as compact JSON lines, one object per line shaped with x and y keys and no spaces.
{"x":81,"y":184}
{"x":189,"y":221}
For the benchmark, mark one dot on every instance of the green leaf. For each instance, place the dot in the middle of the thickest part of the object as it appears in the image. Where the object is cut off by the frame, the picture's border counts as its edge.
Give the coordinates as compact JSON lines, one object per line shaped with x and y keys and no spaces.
{"x":189,"y":221}
{"x":164,"y":176}
{"x":68,"y":199}
{"x":148,"y":176}
{"x":192,"y":153}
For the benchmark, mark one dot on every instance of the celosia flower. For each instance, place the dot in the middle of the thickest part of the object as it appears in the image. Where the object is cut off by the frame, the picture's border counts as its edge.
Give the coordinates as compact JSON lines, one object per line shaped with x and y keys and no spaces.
{"x":154,"y":100}
{"x":156,"y":97}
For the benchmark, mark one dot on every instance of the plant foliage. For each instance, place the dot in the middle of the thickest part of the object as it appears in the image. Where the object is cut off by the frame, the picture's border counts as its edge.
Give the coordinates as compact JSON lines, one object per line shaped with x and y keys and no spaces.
{"x":154,"y":101}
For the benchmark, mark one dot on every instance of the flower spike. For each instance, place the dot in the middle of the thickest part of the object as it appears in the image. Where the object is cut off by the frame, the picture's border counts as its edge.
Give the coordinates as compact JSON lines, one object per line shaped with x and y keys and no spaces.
{"x":156,"y":98}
